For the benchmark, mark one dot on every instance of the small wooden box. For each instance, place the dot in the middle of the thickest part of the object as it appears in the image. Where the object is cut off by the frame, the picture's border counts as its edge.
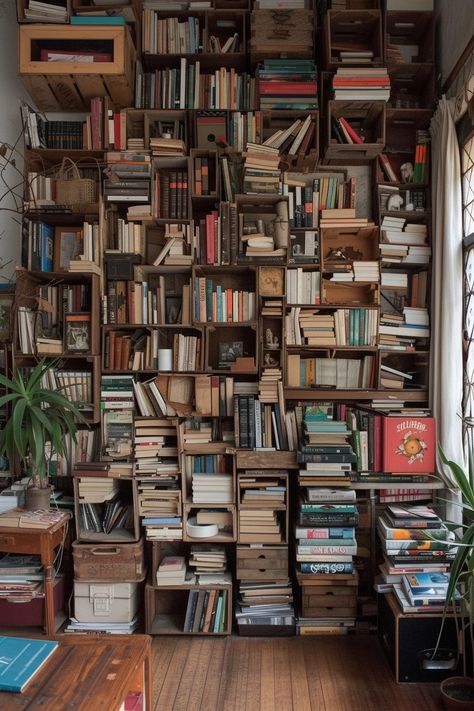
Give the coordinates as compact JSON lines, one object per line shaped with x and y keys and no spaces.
{"x":262,"y":563}
{"x":104,"y":562}
{"x":69,"y":85}
{"x":117,"y":535}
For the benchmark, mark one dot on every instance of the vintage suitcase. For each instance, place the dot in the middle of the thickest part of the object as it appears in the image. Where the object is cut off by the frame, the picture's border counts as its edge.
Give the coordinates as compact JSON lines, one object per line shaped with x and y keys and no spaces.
{"x":124,"y":562}
{"x":30,"y":613}
{"x":409,"y":641}
{"x":106,"y":602}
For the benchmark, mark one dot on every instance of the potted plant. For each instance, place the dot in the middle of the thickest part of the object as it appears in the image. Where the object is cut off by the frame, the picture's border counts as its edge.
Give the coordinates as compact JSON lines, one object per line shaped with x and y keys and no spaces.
{"x":38,"y":417}
{"x":458,"y":692}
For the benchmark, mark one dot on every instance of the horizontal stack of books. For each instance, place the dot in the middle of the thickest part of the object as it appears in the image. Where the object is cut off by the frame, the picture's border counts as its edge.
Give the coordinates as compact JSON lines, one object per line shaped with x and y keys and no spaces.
{"x":360,"y":84}
{"x":414,"y":540}
{"x":262,"y":174}
{"x":265,"y":604}
{"x":287,"y":84}
{"x":343,"y":327}
{"x":130,"y":177}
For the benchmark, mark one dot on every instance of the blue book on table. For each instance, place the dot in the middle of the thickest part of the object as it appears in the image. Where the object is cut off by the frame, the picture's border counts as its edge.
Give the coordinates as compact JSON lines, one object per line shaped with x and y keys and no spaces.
{"x":20,"y":659}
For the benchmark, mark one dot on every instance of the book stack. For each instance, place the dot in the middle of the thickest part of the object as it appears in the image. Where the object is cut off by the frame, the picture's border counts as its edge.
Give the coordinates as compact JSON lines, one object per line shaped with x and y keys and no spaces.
{"x":154,"y":437}
{"x":130,"y":175}
{"x":164,"y":146}
{"x":209,"y":563}
{"x":171,"y":571}
{"x":344,"y":327}
{"x":154,"y":500}
{"x":21,"y":577}
{"x":414,"y":540}
{"x":427,"y":590}
{"x":393,"y":280}
{"x":366,"y":271}
{"x":342,"y":217}
{"x":404,"y":329}
{"x":151,"y":400}
{"x":269,"y":385}
{"x":360,"y":84}
{"x":117,"y":401}
{"x":325,"y":525}
{"x":262,"y":174}
{"x":258,"y":425}
{"x":262,"y":605}
{"x":44,"y":11}
{"x":287,"y":84}
{"x":212,"y":488}
{"x":262,"y":501}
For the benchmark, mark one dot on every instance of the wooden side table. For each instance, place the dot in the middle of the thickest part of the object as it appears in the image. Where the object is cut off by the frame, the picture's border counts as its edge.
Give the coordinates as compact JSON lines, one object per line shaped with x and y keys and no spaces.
{"x":87,"y":673}
{"x":42,"y":542}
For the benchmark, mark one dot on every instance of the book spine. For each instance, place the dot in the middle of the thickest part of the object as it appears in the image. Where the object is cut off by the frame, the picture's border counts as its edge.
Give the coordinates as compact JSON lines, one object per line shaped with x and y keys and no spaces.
{"x":326,"y":568}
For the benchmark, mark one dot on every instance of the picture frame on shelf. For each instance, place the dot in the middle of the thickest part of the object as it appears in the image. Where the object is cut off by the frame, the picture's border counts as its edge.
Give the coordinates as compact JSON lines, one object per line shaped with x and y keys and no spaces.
{"x":229,"y":351}
{"x":77,"y":333}
{"x":173,"y":306}
{"x":68,"y":245}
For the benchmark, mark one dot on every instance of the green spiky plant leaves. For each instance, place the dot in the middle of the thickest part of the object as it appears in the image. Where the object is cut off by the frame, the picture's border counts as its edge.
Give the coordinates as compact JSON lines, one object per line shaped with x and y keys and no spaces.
{"x":38,"y":416}
{"x":461,"y":579}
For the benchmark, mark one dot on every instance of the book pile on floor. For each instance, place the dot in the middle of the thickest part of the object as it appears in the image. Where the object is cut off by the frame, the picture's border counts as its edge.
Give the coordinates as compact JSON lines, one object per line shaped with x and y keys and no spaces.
{"x":414,"y":542}
{"x":263,"y":606}
{"x":325,"y":526}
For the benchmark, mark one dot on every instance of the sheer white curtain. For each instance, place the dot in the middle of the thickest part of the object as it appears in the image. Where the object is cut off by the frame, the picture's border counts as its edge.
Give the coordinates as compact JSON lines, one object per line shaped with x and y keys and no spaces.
{"x":446,"y":370}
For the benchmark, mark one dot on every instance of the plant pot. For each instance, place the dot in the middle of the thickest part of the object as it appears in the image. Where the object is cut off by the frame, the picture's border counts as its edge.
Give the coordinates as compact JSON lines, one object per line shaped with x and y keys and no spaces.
{"x":37,"y":498}
{"x":457,"y":693}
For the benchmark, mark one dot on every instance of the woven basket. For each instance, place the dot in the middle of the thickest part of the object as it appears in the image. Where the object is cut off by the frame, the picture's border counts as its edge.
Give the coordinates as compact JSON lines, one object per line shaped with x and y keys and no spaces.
{"x":71,"y":189}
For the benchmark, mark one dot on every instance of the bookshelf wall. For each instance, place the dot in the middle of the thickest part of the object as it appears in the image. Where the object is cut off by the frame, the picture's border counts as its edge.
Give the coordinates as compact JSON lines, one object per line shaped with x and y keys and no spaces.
{"x":242,"y":233}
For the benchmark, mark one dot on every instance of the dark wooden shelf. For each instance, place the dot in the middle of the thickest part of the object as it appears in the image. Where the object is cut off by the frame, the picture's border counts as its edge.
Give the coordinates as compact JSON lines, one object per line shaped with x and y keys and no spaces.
{"x":292,"y":393}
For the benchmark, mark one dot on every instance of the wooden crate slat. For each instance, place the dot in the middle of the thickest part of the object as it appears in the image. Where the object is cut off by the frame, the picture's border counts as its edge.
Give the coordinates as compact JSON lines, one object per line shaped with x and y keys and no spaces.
{"x":39,"y":88}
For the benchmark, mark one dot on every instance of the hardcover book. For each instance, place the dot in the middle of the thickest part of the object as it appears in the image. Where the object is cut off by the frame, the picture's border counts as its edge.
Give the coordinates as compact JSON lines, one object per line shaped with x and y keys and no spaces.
{"x":21,"y":659}
{"x":409,"y":444}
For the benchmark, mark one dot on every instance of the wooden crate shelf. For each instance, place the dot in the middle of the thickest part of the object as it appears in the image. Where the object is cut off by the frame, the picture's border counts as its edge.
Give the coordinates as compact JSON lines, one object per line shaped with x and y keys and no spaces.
{"x":69,"y":85}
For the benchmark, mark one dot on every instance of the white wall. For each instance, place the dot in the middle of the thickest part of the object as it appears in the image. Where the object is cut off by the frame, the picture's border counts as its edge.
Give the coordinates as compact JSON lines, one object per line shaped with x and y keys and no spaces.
{"x":11,"y":91}
{"x":454,"y":29}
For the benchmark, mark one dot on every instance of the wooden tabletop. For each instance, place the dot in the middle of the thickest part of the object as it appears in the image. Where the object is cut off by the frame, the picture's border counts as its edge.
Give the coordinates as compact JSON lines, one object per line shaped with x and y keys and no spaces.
{"x":85,"y":673}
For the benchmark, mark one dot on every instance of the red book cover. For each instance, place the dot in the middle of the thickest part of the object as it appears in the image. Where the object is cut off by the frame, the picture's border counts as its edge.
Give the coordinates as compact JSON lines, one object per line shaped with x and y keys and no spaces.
{"x":377,"y":443}
{"x":117,"y":143}
{"x":409,"y":444}
{"x":210,"y":239}
{"x":286,"y":87}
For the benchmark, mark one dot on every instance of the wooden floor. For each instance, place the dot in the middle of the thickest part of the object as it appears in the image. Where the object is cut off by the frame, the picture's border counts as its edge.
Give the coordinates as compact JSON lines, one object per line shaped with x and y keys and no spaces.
{"x":287,"y":674}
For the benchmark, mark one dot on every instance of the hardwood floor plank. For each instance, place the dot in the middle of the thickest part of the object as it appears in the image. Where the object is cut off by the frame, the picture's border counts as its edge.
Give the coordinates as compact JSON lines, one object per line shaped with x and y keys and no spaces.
{"x":174,"y":674}
{"x":215,"y":661}
{"x":161,"y":658}
{"x":254,"y":676}
{"x":299,"y":680}
{"x":236,"y":678}
{"x":194,"y":672}
{"x":267,"y":676}
{"x":283,"y":693}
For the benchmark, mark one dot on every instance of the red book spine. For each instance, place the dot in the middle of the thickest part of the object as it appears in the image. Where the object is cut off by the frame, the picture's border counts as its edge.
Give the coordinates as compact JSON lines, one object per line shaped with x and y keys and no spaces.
{"x":355,"y":137}
{"x":210,"y":256}
{"x":117,"y":143}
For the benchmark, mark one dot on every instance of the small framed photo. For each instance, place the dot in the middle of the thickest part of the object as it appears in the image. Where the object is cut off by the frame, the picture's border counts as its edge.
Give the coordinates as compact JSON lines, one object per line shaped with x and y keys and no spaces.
{"x":77,"y":333}
{"x":68,"y":244}
{"x":229,"y":352}
{"x":173,"y":309}
{"x":6,"y":311}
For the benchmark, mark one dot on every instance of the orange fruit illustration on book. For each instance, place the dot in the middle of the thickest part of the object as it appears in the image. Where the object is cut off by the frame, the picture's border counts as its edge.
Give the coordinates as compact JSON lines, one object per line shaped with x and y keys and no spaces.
{"x":412,"y":447}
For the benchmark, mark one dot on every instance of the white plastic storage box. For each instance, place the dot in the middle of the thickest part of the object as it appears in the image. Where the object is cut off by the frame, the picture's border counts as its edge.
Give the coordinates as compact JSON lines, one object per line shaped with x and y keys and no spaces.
{"x":106,"y":602}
